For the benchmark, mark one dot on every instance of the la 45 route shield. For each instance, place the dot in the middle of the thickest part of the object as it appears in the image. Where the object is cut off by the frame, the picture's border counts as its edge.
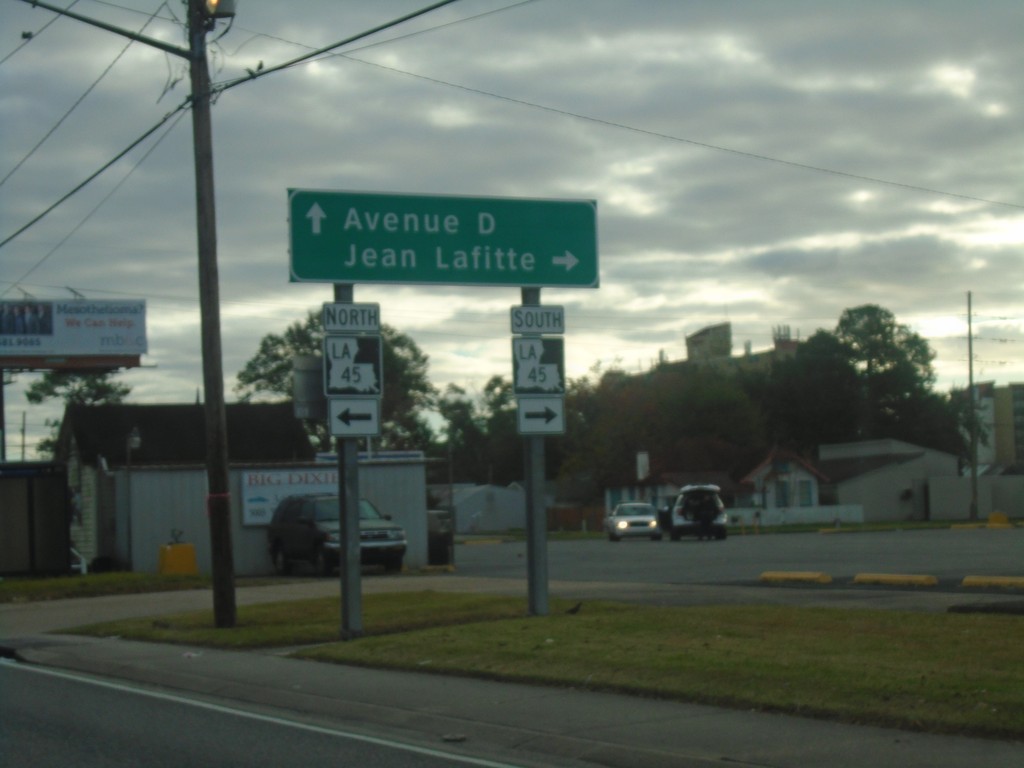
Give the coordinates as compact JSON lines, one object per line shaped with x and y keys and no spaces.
{"x":360,"y":237}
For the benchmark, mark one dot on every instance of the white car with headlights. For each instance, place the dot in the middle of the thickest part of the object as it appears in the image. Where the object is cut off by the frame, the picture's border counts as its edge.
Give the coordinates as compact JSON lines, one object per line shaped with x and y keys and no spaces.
{"x":633,"y":518}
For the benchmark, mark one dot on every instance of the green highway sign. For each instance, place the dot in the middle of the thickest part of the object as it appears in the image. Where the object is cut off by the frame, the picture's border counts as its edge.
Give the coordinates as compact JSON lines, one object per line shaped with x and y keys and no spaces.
{"x":366,"y":237}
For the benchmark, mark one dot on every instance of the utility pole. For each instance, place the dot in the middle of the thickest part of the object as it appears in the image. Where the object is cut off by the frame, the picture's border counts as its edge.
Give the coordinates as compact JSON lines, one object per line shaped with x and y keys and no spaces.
{"x":218,"y":500}
{"x":202,"y":15}
{"x":974,"y":411}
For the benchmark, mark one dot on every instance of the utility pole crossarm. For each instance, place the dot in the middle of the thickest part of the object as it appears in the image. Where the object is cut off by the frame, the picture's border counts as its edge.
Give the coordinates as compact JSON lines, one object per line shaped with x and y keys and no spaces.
{"x":166,"y":47}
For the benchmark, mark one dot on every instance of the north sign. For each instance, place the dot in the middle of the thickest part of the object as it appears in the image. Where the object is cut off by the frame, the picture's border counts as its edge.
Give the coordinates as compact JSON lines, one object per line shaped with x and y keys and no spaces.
{"x":351,"y":318}
{"x":364,"y":237}
{"x":352,"y":366}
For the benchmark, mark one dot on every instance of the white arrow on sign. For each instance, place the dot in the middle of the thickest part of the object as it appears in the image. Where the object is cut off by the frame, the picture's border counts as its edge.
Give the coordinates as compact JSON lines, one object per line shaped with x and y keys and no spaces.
{"x":316,"y":215}
{"x":568,"y":261}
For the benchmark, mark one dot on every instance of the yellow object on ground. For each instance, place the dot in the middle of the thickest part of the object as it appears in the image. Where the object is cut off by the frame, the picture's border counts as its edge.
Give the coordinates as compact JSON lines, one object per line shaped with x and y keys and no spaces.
{"x":899,"y":579}
{"x":814,"y":577}
{"x":178,"y":559}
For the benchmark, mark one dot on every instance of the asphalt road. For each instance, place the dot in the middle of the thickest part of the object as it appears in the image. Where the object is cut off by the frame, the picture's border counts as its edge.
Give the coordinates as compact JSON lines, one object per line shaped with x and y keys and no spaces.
{"x":948,"y":554}
{"x":53,"y":719}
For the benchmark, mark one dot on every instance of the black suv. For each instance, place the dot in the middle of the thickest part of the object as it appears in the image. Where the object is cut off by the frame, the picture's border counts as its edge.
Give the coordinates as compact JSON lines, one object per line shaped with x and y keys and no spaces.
{"x":306,"y":528}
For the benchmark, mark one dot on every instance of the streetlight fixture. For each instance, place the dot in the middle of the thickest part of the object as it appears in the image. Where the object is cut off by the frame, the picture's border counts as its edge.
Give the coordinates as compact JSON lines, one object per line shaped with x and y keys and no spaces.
{"x":220,"y":9}
{"x":201,"y":17}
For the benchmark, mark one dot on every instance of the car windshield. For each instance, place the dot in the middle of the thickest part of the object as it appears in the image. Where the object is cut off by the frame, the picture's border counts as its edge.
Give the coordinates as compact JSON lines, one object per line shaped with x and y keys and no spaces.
{"x":636,"y":509}
{"x":696,"y":499}
{"x":326,"y":510}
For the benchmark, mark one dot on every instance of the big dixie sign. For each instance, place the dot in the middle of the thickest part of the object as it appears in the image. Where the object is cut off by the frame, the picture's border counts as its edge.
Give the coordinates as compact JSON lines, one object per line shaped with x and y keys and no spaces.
{"x":359,"y":237}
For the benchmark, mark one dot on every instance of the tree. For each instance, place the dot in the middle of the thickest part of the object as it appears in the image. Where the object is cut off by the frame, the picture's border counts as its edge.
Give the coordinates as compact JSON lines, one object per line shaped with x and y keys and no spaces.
{"x":407,"y":392}
{"x":894,"y":368}
{"x":466,"y":436}
{"x":504,"y":444}
{"x":814,"y":397}
{"x":74,"y":388}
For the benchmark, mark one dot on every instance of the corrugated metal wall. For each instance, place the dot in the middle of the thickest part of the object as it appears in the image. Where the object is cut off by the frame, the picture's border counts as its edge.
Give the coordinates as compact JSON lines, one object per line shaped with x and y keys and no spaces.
{"x":165,"y":500}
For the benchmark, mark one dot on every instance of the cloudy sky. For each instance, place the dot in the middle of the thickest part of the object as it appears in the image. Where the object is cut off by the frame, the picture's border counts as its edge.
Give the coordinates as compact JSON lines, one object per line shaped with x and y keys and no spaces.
{"x":764,"y":163}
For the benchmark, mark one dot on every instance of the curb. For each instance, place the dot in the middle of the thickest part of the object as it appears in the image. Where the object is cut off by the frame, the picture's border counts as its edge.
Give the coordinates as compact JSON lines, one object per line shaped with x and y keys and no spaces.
{"x":1011,"y":582}
{"x":805,"y":577}
{"x":903,"y":579}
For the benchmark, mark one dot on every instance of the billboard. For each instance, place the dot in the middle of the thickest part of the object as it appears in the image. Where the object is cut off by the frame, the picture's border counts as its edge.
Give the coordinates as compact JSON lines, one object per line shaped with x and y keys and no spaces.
{"x":31,"y":331}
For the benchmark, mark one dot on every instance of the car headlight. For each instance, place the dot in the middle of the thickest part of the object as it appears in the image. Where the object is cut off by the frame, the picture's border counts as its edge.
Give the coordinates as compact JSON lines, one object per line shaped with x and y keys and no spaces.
{"x":396,"y":535}
{"x":652,"y":524}
{"x":621,"y":525}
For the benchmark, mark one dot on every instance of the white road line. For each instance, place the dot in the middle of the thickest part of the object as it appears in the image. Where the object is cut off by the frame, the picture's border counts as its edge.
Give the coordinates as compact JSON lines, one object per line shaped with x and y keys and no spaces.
{"x":463,"y":759}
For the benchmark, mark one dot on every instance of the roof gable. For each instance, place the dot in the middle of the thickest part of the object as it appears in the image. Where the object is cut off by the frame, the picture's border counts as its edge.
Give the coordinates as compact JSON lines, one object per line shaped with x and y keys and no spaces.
{"x":176,"y":434}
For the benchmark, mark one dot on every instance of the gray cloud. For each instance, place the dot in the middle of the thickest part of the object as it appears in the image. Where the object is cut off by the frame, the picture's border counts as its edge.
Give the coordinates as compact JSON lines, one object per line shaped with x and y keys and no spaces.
{"x":673,"y":116}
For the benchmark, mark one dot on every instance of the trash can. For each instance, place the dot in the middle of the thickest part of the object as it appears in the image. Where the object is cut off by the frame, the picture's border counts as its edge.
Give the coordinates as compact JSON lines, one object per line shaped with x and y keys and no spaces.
{"x":440,"y":537}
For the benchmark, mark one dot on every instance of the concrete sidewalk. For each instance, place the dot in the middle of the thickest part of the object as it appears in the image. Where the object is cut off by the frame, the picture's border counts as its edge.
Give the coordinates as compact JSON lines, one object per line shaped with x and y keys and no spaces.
{"x":528,"y":725}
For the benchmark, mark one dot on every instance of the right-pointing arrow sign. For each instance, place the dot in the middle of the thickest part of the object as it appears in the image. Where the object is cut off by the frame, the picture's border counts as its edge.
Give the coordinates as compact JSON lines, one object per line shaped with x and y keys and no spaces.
{"x":547,"y":414}
{"x":566,"y":260}
{"x":541,"y":416}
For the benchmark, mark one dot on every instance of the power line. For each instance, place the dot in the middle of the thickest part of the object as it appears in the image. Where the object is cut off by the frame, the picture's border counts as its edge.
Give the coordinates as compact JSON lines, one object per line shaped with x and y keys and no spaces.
{"x":78,"y":101}
{"x":187,"y":103}
{"x":184,"y":105}
{"x":89,"y":215}
{"x":684,"y":140}
{"x":28,"y":37}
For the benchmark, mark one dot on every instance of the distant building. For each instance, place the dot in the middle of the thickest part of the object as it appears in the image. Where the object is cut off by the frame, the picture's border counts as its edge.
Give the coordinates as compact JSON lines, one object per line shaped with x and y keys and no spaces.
{"x":710,"y":344}
{"x":1008,"y":423}
{"x":1001,"y":416}
{"x":712,"y":347}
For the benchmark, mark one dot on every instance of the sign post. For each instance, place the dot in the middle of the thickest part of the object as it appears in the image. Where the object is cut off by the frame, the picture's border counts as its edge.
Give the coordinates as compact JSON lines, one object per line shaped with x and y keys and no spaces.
{"x":345,"y":237}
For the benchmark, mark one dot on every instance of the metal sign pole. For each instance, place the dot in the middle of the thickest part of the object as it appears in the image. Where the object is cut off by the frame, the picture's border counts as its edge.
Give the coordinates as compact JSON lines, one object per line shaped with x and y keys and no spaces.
{"x":349,"y":564}
{"x":536,"y":509}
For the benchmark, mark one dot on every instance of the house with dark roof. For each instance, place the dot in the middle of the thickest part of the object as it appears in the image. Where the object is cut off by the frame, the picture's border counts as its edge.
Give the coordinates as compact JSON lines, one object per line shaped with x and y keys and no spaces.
{"x":137,"y":475}
{"x":100,"y":444}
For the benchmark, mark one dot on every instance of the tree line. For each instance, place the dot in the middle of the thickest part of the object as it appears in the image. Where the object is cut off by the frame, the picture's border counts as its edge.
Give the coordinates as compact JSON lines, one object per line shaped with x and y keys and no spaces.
{"x":868,"y":378}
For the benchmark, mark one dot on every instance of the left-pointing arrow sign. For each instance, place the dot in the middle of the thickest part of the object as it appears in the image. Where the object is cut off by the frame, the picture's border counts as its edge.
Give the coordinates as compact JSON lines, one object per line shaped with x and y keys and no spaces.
{"x":353,"y":416}
{"x":347,"y":416}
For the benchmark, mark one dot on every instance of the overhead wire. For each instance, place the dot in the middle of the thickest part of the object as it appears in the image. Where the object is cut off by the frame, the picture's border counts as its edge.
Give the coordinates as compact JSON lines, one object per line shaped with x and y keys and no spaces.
{"x":184,"y":105}
{"x":80,"y":99}
{"x":28,"y":37}
{"x":187,"y":102}
{"x":39,"y":262}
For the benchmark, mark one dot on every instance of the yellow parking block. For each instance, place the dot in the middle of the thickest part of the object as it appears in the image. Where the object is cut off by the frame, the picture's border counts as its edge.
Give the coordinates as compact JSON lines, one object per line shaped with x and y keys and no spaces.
{"x":1009,"y":582}
{"x":810,"y":577}
{"x":896,"y":579}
